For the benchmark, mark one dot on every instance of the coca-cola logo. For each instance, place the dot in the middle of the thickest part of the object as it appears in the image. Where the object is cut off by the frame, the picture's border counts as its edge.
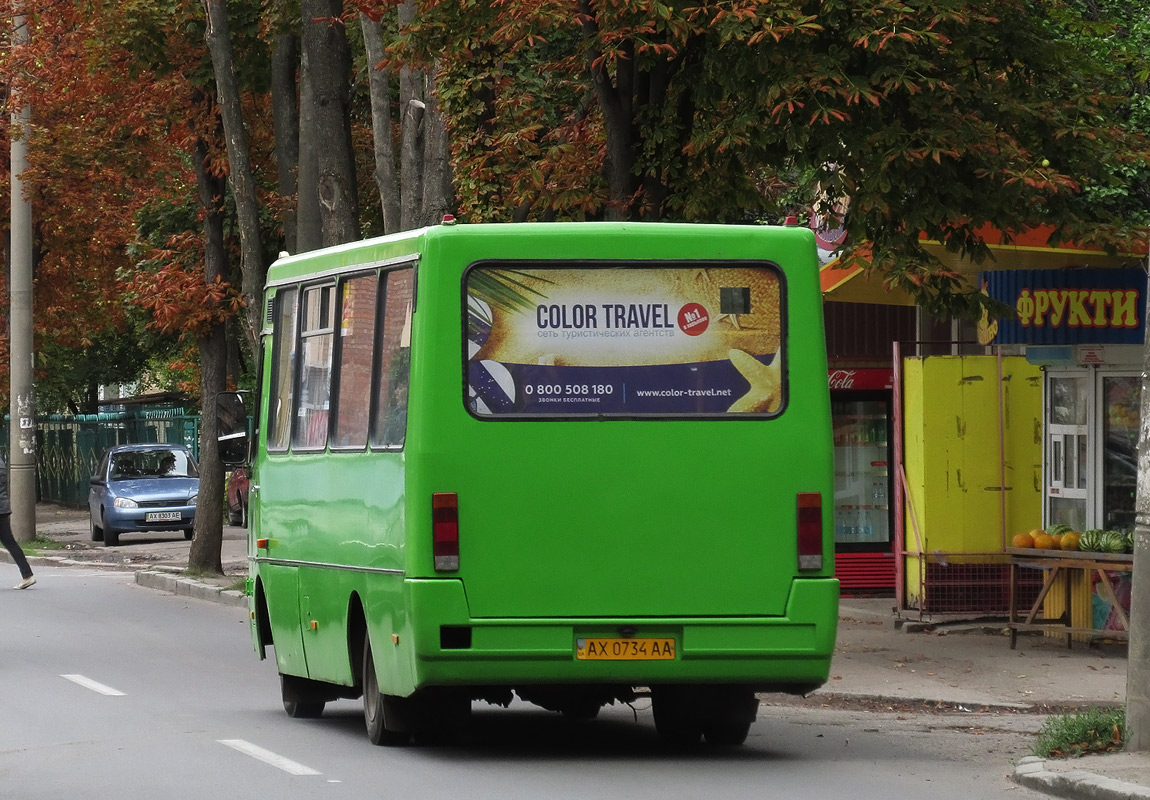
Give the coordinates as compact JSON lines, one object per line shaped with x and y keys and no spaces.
{"x":842,"y":379}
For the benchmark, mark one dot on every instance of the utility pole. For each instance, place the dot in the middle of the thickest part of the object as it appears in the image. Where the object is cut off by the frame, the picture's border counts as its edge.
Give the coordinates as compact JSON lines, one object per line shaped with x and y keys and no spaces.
{"x":1138,"y":647}
{"x":22,"y":406}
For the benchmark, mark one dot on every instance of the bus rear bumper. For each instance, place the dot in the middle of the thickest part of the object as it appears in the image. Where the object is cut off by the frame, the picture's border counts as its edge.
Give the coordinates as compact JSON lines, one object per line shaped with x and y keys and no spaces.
{"x":791,"y":652}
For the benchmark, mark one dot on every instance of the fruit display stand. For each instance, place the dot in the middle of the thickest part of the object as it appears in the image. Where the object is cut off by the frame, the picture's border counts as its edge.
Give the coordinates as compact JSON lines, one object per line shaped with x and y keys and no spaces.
{"x":1057,"y":566}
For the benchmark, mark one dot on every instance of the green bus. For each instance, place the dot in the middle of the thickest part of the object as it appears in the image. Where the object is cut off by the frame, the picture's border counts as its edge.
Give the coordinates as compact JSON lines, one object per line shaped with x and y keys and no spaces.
{"x":577,"y":463}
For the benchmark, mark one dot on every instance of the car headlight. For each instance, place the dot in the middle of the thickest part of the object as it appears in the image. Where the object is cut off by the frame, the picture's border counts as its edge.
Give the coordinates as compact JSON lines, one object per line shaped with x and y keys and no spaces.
{"x":125,"y":502}
{"x":192,"y":502}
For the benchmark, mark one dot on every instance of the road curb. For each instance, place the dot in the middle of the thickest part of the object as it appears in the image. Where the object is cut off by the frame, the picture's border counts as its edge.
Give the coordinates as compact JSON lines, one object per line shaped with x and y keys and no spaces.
{"x":1032,"y":773}
{"x":968,"y":705}
{"x":183,"y":585}
{"x":154,"y":578}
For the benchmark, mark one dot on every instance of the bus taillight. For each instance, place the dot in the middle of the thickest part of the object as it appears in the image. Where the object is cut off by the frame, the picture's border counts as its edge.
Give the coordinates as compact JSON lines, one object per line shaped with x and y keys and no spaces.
{"x":810,"y":530}
{"x":445,"y":530}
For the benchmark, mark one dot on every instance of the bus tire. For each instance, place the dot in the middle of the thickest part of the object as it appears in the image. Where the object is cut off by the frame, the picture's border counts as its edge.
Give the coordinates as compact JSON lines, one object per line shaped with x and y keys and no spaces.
{"x":581,"y":711}
{"x":376,"y":705}
{"x":726,"y":734}
{"x":441,"y":715}
{"x":675,"y":725}
{"x":299,"y":703}
{"x":728,"y":712}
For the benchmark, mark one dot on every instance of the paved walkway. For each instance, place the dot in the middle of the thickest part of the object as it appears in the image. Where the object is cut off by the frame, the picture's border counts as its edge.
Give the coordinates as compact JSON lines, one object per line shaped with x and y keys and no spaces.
{"x":882,"y":656}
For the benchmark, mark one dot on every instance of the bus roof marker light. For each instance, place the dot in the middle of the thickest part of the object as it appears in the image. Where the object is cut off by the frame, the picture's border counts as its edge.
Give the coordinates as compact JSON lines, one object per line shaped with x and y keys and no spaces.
{"x":810,"y":531}
{"x":445,"y":531}
{"x":448,"y":219}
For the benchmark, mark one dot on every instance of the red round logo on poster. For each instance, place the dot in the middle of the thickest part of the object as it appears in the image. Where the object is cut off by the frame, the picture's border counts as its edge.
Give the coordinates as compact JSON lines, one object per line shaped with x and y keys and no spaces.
{"x":693,"y":319}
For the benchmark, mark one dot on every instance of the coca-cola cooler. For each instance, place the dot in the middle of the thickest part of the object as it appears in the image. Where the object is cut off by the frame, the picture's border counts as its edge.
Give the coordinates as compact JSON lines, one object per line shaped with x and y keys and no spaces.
{"x":861,"y":409}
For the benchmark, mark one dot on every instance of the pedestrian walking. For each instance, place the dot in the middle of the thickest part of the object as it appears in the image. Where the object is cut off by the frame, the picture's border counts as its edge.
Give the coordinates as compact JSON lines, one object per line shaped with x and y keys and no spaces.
{"x":6,"y":536}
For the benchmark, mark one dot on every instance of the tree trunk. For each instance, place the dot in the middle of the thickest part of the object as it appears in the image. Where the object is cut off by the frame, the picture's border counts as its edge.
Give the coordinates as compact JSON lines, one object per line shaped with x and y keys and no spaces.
{"x":1138,"y":648}
{"x":438,"y":195}
{"x":411,"y":162}
{"x":285,"y":118}
{"x":329,"y":62}
{"x":219,"y":42}
{"x":411,"y":112}
{"x":204,"y":555}
{"x":379,"y":91}
{"x":615,"y":102}
{"x":308,"y":226}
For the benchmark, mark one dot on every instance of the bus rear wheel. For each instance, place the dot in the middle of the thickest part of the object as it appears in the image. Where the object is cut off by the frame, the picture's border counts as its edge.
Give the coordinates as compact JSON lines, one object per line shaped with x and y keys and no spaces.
{"x":375,"y":705}
{"x":726,"y":734}
{"x":720,"y":714}
{"x":299,"y":703}
{"x":676,"y":727}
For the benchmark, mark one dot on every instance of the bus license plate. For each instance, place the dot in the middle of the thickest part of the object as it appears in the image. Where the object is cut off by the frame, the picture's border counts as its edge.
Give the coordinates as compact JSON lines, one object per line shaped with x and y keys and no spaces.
{"x":618,"y":649}
{"x":161,"y":516}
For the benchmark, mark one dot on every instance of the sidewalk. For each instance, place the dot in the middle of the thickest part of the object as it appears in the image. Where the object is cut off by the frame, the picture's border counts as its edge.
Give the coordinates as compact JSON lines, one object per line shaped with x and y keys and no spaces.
{"x":970,"y":667}
{"x":881,"y":658}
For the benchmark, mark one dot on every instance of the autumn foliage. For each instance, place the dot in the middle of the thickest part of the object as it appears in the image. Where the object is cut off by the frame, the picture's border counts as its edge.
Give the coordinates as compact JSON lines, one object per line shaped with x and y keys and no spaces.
{"x":938,"y":118}
{"x":115,"y":91}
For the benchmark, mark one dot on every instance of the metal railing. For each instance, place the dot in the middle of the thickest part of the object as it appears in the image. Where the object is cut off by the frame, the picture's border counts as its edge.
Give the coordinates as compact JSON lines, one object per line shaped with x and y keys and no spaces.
{"x":68,"y":447}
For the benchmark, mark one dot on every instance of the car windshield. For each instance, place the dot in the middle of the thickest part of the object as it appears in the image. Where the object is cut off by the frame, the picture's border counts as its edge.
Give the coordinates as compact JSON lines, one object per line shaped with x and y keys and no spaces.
{"x":159,"y":463}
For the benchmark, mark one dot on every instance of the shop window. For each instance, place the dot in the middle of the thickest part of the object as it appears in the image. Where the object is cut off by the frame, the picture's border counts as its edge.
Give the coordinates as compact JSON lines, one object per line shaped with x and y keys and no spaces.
{"x":1121,"y":398}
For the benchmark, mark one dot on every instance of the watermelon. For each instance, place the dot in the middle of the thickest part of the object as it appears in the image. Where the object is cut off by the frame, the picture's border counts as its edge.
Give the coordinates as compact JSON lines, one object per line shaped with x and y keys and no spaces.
{"x":1113,"y":542}
{"x":1058,"y":527}
{"x":1090,"y":541}
{"x":1129,"y":541}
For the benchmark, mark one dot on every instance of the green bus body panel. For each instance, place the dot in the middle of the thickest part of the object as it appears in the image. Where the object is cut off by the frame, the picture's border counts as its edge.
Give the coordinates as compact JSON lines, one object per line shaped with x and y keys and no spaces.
{"x":567,"y":526}
{"x":281,"y":586}
{"x":341,"y":521}
{"x":620,"y":517}
{"x":792,"y":648}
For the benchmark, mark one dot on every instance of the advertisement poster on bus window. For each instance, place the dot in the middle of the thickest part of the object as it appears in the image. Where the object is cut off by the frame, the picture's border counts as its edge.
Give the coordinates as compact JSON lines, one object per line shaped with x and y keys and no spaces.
{"x":625,"y":341}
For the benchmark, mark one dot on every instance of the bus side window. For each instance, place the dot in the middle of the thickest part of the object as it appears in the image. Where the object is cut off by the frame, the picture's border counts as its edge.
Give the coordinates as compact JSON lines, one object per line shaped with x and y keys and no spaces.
{"x":317,"y":337}
{"x":393,"y":371}
{"x":357,"y":322}
{"x":283,"y":377}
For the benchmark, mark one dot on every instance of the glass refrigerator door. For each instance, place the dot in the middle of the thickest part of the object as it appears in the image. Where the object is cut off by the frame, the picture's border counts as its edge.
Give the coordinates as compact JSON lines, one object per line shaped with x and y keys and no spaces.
{"x":1121,"y":399}
{"x":862,"y":474}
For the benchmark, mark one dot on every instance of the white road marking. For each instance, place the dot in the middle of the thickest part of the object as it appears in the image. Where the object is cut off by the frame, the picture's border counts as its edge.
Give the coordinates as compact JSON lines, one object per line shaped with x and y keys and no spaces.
{"x":88,"y":683}
{"x":268,"y":757}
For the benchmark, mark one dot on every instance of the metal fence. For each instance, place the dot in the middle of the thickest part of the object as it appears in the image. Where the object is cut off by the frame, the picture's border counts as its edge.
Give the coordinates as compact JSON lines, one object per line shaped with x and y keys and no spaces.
{"x":68,"y":447}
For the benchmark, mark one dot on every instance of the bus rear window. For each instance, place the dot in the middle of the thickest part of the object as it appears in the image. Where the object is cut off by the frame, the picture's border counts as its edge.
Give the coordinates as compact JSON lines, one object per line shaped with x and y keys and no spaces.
{"x":632,"y":339}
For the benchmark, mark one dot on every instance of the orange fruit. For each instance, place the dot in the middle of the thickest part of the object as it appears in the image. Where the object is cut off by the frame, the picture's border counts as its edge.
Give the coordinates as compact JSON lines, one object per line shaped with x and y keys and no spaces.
{"x":1044,"y":541}
{"x":1070,"y":540}
{"x":1022,"y":540}
{"x":1057,"y":537}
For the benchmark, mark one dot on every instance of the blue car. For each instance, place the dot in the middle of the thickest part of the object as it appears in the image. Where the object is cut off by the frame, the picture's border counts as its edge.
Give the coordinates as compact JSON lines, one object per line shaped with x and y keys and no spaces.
{"x":143,"y":488}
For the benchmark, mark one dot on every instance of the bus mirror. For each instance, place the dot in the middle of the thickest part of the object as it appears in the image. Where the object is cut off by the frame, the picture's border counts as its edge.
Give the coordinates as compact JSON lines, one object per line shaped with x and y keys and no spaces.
{"x":231,"y":428}
{"x":233,"y":449}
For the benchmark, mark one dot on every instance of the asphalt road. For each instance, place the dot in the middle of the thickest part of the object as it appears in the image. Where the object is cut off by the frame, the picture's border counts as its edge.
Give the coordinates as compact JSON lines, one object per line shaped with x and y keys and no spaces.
{"x":112,"y":690}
